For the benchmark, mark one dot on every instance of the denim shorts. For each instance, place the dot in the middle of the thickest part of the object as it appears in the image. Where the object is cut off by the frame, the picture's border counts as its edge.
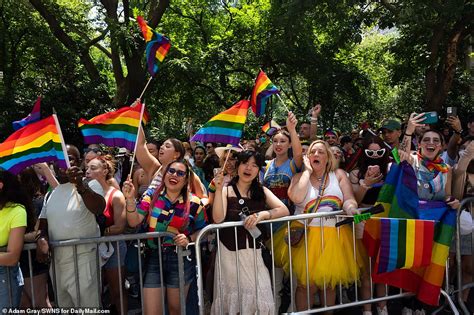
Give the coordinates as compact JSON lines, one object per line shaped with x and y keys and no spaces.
{"x":170,"y":269}
{"x":10,"y":289}
{"x":113,"y":260}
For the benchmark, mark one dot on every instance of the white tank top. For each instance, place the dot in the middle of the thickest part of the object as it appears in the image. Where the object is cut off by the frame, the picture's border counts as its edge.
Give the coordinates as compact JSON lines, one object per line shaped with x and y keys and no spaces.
{"x":332,"y":200}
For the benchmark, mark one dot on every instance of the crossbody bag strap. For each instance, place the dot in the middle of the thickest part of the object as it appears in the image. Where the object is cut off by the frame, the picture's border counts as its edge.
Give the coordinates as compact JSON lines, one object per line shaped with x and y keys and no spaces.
{"x":241,"y":201}
{"x":320,"y":195}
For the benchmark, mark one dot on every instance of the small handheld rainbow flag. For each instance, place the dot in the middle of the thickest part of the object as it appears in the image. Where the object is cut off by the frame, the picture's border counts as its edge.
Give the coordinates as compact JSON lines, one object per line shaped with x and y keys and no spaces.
{"x":262,"y":90}
{"x":157,"y":46}
{"x":225,"y":127}
{"x":271,"y":127}
{"x":34,"y":116}
{"x":35,"y":143}
{"x":115,"y":129}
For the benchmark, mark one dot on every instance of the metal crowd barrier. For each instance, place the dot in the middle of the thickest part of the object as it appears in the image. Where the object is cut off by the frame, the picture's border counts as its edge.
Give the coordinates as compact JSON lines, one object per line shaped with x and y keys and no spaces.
{"x":287,"y":220}
{"x":140,"y":239}
{"x":459,"y":285}
{"x":182,"y":253}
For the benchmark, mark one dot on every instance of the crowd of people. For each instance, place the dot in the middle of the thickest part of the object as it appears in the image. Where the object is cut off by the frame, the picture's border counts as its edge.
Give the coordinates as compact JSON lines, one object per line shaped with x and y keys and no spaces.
{"x":181,"y":187}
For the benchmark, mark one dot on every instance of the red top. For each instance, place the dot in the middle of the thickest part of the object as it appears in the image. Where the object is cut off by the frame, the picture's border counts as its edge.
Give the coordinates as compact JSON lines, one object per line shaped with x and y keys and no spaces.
{"x":109,"y":210}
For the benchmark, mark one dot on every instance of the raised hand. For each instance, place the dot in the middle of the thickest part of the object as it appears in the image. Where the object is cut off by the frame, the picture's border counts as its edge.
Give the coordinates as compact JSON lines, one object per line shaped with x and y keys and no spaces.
{"x":291,"y":121}
{"x":414,"y":121}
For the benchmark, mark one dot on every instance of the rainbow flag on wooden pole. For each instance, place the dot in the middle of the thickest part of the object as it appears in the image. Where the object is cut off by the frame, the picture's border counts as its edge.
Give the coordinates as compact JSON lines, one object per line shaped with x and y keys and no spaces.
{"x":261,"y":92}
{"x":37,"y":142}
{"x":115,"y":129}
{"x":225,"y":127}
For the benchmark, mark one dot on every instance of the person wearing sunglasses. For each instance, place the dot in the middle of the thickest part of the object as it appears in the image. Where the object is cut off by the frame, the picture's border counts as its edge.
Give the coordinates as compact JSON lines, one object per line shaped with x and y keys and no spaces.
{"x":367,"y":180}
{"x":169,"y":207}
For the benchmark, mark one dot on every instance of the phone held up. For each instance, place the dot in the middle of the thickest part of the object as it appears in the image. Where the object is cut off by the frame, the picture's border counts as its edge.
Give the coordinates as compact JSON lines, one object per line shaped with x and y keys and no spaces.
{"x":430,"y":118}
{"x":452,"y":111}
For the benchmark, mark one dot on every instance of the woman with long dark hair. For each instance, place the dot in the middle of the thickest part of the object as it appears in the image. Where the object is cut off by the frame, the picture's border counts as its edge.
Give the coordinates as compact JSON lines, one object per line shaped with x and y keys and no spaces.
{"x":243,"y":199}
{"x":13,"y":221}
{"x":367,"y":180}
{"x":169,"y":207}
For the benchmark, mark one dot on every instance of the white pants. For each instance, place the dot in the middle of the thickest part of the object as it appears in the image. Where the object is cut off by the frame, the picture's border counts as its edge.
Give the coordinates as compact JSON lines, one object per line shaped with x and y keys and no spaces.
{"x":66,"y":277}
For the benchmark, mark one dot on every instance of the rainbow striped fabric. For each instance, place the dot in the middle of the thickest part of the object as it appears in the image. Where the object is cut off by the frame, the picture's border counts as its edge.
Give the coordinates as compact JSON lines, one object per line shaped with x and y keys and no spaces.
{"x":34,"y":116}
{"x":37,"y":142}
{"x":225,"y":127}
{"x":405,"y":244}
{"x":115,"y":129}
{"x":400,"y":200}
{"x":270,"y":128}
{"x":157,"y":46}
{"x":262,"y":90}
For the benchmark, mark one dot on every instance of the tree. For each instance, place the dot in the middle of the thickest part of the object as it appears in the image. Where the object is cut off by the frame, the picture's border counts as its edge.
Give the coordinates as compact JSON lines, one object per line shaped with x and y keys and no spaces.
{"x":432,"y":35}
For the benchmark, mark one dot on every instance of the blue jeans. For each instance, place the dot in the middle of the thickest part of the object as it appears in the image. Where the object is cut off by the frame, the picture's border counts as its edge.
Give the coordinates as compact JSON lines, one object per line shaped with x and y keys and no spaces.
{"x":170,"y":269}
{"x":11,"y":285}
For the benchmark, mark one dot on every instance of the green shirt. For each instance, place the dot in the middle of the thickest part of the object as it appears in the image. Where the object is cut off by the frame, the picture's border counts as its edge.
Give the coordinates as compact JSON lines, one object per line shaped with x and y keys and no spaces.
{"x":13,"y":215}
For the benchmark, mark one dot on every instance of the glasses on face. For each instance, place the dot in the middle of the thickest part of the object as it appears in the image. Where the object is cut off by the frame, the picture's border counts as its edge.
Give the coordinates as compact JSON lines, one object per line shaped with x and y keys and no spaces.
{"x":375,"y":153}
{"x":178,"y":173}
{"x":431,"y":140}
{"x":95,"y":150}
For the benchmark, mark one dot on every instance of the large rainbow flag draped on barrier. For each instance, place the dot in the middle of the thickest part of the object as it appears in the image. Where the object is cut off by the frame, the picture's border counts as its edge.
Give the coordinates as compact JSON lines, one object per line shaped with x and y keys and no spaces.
{"x":157,"y":46}
{"x":32,"y":117}
{"x":262,"y":90}
{"x":35,"y":143}
{"x":115,"y":129}
{"x":225,"y":127}
{"x":400,"y":200}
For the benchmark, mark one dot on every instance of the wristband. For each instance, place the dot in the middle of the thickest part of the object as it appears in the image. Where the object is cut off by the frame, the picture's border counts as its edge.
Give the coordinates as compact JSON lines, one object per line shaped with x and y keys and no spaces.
{"x":408,"y":135}
{"x":458,"y":132}
{"x":131,"y":211}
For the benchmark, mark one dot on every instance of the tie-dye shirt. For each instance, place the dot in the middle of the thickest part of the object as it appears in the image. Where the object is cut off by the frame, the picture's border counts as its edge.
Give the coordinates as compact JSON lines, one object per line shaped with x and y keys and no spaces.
{"x":165,"y":216}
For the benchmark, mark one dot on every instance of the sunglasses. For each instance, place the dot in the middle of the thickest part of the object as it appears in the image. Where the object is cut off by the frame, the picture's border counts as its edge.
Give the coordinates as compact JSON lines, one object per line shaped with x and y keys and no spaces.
{"x":375,"y":153}
{"x":179,"y":173}
{"x":95,"y":150}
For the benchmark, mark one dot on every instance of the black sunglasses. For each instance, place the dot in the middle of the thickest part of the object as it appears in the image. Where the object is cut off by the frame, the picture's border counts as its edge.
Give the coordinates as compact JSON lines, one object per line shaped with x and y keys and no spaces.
{"x":179,"y":173}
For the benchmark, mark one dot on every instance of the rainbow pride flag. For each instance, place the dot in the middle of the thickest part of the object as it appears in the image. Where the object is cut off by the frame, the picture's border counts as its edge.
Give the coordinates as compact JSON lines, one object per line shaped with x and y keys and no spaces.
{"x":115,"y":129}
{"x":262,"y":90}
{"x":34,"y":116}
{"x":405,"y":244}
{"x":37,"y":142}
{"x":270,"y":128}
{"x":225,"y":127}
{"x":399,"y":198}
{"x":157,"y":46}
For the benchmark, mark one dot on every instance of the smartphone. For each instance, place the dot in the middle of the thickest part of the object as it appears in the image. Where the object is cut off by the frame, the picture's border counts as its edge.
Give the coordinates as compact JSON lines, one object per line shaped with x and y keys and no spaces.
{"x":452,"y":111}
{"x":430,"y":118}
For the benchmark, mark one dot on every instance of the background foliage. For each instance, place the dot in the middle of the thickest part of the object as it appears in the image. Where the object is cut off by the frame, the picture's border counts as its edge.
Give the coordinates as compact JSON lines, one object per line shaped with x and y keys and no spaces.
{"x":362,"y":60}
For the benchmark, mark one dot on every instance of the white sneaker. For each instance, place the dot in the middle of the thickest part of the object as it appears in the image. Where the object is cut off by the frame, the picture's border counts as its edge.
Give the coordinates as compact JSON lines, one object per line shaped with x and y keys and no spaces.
{"x":407,"y":311}
{"x":382,"y":311}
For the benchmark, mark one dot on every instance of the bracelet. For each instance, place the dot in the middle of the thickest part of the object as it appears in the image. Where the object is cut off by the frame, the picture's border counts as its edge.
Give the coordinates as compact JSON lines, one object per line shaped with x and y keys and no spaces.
{"x":269,"y":215}
{"x":408,"y":135}
{"x":131,"y":211}
{"x":313,"y":119}
{"x":458,"y":132}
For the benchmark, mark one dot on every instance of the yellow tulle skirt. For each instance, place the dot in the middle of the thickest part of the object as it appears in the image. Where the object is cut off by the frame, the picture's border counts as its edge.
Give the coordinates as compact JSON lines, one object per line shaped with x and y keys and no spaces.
{"x":330,"y":263}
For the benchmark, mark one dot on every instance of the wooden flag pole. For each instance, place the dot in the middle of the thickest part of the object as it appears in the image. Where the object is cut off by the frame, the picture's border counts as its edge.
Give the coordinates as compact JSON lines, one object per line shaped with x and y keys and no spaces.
{"x":284,"y":105}
{"x":136,"y":140}
{"x":226,"y":159}
{"x":146,"y":86}
{"x":63,"y":144}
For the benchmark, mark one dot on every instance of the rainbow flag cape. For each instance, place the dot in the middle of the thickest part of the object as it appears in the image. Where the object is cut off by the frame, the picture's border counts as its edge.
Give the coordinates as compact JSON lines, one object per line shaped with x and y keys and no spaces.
{"x":115,"y":129}
{"x":225,"y":127}
{"x":35,"y":115}
{"x":37,"y":142}
{"x":270,"y":128}
{"x":400,"y":200}
{"x":157,"y":46}
{"x":262,"y":90}
{"x":405,"y":244}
